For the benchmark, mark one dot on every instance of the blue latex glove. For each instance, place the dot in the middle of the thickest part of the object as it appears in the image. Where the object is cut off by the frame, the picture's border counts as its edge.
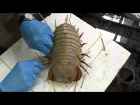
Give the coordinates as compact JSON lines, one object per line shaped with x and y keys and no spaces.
{"x":37,"y":35}
{"x":22,"y":77}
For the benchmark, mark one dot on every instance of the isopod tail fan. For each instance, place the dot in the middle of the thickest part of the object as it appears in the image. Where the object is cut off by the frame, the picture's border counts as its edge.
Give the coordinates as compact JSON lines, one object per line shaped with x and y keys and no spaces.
{"x":64,"y":75}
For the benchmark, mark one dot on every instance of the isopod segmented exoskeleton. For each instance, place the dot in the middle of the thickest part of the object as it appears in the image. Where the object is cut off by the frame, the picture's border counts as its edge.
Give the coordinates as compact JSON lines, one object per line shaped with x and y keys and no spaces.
{"x":66,"y":55}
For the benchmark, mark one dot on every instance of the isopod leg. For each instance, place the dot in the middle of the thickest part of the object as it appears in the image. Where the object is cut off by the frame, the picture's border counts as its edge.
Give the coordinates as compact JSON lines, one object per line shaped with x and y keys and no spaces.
{"x":44,"y":63}
{"x":81,"y":35}
{"x":77,"y":29}
{"x":48,"y":57}
{"x":83,"y":44}
{"x":85,"y":64}
{"x":84,"y":54}
{"x":83,"y":81}
{"x":39,"y":57}
{"x":84,"y":69}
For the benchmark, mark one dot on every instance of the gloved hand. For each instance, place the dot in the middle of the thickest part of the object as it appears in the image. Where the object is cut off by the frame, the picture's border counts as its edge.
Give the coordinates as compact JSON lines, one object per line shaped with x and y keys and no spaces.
{"x":37,"y":35}
{"x":22,"y":77}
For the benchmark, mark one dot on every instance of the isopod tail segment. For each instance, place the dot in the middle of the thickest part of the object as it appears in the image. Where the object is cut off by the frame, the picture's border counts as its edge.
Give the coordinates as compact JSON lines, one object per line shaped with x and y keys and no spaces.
{"x":60,"y":75}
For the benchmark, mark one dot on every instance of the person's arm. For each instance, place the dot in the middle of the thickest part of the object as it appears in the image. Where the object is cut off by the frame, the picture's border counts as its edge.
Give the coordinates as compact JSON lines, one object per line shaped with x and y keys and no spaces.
{"x":37,"y":35}
{"x":22,"y":77}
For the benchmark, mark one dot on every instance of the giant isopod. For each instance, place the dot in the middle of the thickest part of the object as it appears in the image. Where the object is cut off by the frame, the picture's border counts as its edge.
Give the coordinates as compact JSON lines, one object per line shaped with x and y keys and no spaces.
{"x":66,"y":55}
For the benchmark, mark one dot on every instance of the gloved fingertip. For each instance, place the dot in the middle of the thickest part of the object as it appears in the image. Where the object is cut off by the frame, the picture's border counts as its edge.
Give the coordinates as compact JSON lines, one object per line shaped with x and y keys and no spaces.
{"x":37,"y":64}
{"x":49,"y":45}
{"x":50,"y":33}
{"x":44,"y":49}
{"x":23,"y":25}
{"x":47,"y":52}
{"x":34,"y":76}
{"x":42,"y":67}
